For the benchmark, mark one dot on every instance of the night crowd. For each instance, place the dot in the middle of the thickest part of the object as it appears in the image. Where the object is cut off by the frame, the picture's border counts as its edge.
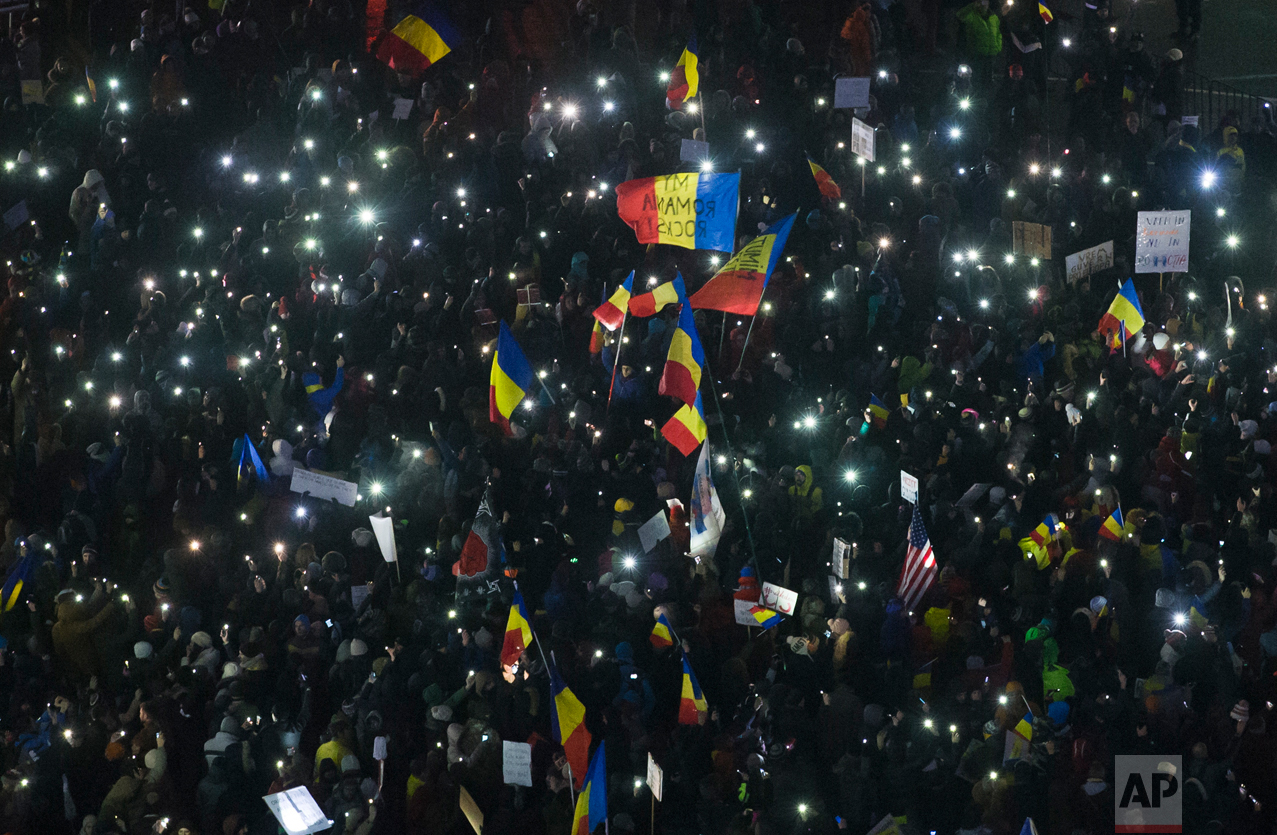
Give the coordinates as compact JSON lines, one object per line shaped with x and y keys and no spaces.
{"x":237,"y":246}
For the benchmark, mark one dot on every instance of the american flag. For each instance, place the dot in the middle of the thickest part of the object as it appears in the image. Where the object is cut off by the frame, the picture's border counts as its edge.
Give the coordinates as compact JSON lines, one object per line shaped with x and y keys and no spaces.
{"x":919,"y":570}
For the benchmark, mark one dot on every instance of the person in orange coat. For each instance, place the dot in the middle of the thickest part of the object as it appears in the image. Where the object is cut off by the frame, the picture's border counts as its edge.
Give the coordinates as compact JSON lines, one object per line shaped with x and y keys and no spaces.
{"x":857,"y":32}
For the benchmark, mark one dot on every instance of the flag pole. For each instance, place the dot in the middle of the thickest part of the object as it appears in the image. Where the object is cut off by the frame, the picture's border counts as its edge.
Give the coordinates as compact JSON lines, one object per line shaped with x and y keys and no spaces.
{"x":1122,"y":325}
{"x":571,"y":776}
{"x":616,"y":360}
{"x":752,"y":319}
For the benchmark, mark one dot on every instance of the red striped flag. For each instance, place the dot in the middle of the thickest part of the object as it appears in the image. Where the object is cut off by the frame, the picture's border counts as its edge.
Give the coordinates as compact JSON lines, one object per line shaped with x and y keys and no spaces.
{"x":919,"y":570}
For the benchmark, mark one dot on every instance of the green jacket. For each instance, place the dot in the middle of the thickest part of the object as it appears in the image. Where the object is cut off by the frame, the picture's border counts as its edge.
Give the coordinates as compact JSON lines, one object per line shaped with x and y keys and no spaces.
{"x":983,"y":34}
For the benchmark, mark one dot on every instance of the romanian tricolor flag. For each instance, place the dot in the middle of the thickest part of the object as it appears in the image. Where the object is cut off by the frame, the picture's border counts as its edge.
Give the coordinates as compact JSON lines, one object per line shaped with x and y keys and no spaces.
{"x":766,"y":617}
{"x":1047,"y":17}
{"x":612,"y":312}
{"x":596,"y":338}
{"x":1114,"y":526}
{"x":878,"y":411}
{"x":662,"y":635}
{"x":687,"y":428}
{"x":693,"y":700}
{"x":682,"y":375}
{"x":649,"y":304}
{"x":591,"y":803}
{"x":824,"y":182}
{"x":1124,"y":313}
{"x":518,"y":632}
{"x":511,"y":380}
{"x":684,"y":78}
{"x":738,"y":287}
{"x":694,"y":211}
{"x":1045,"y":531}
{"x":1025,"y":726}
{"x":419,"y":40}
{"x":569,"y":726}
{"x":92,"y":85}
{"x":11,"y":592}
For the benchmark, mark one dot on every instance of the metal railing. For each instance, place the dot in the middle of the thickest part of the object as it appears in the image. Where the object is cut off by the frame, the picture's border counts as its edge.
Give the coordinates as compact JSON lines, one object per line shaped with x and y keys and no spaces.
{"x":1212,"y":100}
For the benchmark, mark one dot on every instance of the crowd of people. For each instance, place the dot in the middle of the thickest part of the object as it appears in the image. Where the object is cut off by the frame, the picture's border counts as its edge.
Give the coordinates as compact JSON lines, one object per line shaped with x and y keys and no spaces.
{"x":239,"y":248}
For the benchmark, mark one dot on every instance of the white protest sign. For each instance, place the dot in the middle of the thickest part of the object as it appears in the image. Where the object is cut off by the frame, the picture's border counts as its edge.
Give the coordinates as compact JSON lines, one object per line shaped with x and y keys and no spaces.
{"x":653,"y":531}
{"x":1088,"y":261}
{"x":779,"y":599}
{"x":908,"y":487}
{"x":383,"y":527}
{"x":862,"y":140}
{"x":1189,"y":120}
{"x":379,"y":748}
{"x":324,"y":486}
{"x":655,"y":778}
{"x":516,"y":763}
{"x":693,"y":150}
{"x":297,"y":811}
{"x":403,"y":107}
{"x":1161,"y":241}
{"x":742,"y":607}
{"x":841,"y":557}
{"x":851,"y":93}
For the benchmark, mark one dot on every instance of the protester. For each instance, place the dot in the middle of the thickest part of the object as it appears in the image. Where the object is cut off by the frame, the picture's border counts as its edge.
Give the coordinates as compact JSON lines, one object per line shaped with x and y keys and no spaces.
{"x":372,"y":413}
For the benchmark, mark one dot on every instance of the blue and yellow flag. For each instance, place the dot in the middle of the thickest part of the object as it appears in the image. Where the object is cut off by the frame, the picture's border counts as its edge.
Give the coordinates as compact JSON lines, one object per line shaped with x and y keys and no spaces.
{"x":591,"y":803}
{"x":512,"y":379}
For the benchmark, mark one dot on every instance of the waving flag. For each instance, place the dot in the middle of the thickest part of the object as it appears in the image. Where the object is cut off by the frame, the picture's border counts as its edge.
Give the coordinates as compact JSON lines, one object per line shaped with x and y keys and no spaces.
{"x":1046,"y":530}
{"x":738,"y":287}
{"x":246,"y":459}
{"x":1047,"y":17}
{"x":707,"y":515}
{"x":11,"y":592}
{"x":518,"y":631}
{"x":512,"y":378}
{"x":419,"y":40}
{"x":481,"y":553}
{"x":1124,"y":314}
{"x":824,"y":182}
{"x":591,"y":803}
{"x":612,"y":312}
{"x":681,"y":377}
{"x":1114,"y":526}
{"x":766,"y":617}
{"x":662,"y":634}
{"x":692,"y":701}
{"x":1025,"y":726}
{"x":919,"y":570}
{"x":684,"y":78}
{"x":694,"y":211}
{"x":649,"y":304}
{"x":878,"y":411}
{"x":569,"y":726}
{"x":687,"y":428}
